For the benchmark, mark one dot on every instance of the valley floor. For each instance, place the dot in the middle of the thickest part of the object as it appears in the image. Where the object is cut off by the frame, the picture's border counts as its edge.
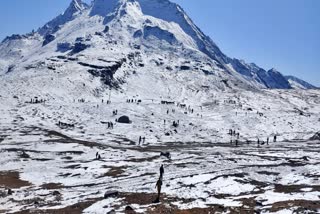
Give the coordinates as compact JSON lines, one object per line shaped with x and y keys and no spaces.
{"x":53,"y":169}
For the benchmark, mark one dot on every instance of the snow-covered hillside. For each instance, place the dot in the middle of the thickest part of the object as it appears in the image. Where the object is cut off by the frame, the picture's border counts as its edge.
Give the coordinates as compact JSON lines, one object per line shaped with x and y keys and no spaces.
{"x":62,"y":86}
{"x":299,"y":83}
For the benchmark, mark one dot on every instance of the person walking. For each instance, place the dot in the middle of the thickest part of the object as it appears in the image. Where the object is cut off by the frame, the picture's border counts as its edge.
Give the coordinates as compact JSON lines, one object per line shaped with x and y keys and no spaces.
{"x":161,"y":171}
{"x":158,"y":186}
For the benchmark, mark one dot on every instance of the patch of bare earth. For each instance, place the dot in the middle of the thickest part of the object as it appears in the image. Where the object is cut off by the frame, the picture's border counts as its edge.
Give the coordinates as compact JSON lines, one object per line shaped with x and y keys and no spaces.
{"x":11,"y":179}
{"x":50,"y":186}
{"x":73,"y":209}
{"x":114,"y":172}
{"x":166,"y":207}
{"x":294,"y":188}
{"x":163,"y":209}
{"x":301,"y":206}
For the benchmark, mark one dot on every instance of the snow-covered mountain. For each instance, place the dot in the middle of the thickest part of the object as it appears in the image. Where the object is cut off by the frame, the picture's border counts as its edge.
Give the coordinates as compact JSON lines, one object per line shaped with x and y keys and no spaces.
{"x":64,"y":148}
{"x":299,"y":83}
{"x":75,"y":7}
{"x":268,"y":79}
{"x":126,"y":43}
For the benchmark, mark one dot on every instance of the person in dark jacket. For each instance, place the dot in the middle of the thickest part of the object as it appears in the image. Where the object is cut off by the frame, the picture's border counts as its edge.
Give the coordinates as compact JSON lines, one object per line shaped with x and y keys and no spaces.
{"x":158,"y":186}
{"x":161,"y":171}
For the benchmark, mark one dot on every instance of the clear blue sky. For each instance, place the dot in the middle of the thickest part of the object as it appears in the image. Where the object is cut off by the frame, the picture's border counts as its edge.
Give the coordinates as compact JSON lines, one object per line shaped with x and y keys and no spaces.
{"x":284,"y":34}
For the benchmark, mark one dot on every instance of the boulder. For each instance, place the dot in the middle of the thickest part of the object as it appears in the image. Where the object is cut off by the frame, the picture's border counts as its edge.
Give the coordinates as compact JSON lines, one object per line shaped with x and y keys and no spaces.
{"x":156,"y":201}
{"x":10,"y":192}
{"x":316,"y":136}
{"x":184,"y":68}
{"x":111,"y":212}
{"x":106,"y":29}
{"x":165,"y":154}
{"x":128,"y":208}
{"x":3,"y":194}
{"x":24,"y":155}
{"x":111,"y":194}
{"x":56,"y":193}
{"x":124,"y":119}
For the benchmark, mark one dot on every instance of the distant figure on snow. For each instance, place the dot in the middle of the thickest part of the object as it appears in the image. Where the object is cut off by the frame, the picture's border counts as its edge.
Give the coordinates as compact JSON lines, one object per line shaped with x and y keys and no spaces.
{"x":161,"y":171}
{"x":98,"y":157}
{"x":158,"y":186}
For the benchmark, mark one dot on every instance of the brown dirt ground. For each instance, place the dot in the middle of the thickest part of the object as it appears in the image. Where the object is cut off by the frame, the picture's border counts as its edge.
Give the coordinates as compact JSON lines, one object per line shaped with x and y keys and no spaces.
{"x":50,"y":186}
{"x":73,"y":209}
{"x":294,"y":188}
{"x":114,"y":172}
{"x":302,"y":204}
{"x":11,"y":179}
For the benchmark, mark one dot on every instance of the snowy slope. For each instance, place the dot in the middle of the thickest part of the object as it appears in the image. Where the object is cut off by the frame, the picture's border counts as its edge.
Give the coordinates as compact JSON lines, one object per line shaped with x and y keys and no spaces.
{"x":128,"y":49}
{"x":161,"y":28}
{"x":75,"y":7}
{"x":265,"y":79}
{"x":299,"y":83}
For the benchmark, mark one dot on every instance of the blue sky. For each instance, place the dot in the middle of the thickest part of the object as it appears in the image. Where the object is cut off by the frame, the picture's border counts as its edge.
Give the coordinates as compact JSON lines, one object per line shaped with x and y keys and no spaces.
{"x":284,"y":34}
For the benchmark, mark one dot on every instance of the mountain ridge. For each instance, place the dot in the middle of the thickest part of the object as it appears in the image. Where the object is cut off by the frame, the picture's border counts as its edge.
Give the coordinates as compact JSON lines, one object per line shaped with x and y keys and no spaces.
{"x":139,"y":21}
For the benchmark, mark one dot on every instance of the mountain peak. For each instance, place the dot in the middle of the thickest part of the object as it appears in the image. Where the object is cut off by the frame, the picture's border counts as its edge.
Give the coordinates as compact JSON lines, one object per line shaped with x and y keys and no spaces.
{"x":273,"y":70}
{"x":158,"y":25}
{"x":75,"y":7}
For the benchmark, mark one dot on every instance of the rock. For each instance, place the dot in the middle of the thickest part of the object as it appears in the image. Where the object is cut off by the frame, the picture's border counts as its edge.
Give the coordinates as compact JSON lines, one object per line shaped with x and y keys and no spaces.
{"x":64,"y":46}
{"x":259,"y":204}
{"x":157,"y":200}
{"x":3,"y":194}
{"x":128,"y":208}
{"x":106,"y":29}
{"x":24,"y":155}
{"x":165,"y":154}
{"x":124,"y":119}
{"x":49,"y":38}
{"x":111,"y":212}
{"x":10,"y":192}
{"x":111,"y":194}
{"x":56,"y":193}
{"x":78,"y":47}
{"x":137,"y":34}
{"x":184,"y":67}
{"x":316,"y":136}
